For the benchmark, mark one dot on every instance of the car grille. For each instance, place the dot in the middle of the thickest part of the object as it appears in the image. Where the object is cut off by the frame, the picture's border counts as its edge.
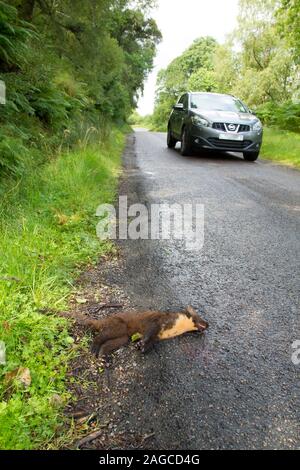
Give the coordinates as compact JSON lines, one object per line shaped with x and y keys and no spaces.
{"x":230,"y":144}
{"x":220,"y":126}
{"x":244,"y":128}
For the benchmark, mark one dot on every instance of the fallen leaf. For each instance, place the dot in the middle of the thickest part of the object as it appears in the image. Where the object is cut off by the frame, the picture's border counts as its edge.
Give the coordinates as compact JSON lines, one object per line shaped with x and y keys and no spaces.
{"x":62,"y":219}
{"x":136,"y":337}
{"x":82,"y":301}
{"x":56,"y":400}
{"x":24,"y":377}
{"x":21,"y":375}
{"x":6,"y":325}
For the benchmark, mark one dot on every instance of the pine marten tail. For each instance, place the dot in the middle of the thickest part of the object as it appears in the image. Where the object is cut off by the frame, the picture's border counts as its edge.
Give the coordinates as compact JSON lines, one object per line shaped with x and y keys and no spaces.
{"x":83,"y":320}
{"x":113,"y":332}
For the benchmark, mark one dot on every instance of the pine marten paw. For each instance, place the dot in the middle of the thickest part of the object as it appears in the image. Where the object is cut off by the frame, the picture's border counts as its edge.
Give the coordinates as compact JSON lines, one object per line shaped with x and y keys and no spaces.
{"x":139,"y":344}
{"x":144,"y":346}
{"x":95,"y":348}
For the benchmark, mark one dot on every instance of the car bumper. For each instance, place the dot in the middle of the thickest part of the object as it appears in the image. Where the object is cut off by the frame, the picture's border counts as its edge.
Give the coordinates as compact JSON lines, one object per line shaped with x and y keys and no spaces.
{"x":208,"y":138}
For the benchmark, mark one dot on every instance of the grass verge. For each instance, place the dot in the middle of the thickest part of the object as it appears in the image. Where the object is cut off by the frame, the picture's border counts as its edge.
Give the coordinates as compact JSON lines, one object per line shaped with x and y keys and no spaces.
{"x":281,"y":146}
{"x":47,"y":233}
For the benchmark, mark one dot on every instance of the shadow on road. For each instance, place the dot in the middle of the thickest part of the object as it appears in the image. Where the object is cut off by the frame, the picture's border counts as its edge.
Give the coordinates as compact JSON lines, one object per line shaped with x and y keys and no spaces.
{"x":213,"y":157}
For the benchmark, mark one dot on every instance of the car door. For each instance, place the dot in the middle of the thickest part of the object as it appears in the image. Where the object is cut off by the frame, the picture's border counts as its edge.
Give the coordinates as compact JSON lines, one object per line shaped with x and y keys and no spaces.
{"x":179,"y":115}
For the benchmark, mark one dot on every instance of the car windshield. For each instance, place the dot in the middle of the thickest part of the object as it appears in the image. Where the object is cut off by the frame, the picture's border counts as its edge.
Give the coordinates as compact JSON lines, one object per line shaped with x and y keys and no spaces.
{"x":217,"y":103}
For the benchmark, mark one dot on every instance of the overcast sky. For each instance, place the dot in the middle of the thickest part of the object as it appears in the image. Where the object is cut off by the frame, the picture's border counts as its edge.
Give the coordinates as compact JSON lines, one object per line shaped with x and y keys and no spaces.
{"x":182,"y":21}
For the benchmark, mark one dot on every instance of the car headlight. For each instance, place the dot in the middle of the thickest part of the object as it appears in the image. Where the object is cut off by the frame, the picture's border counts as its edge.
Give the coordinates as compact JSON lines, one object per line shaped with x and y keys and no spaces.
{"x":257,"y":126}
{"x":198,"y":121}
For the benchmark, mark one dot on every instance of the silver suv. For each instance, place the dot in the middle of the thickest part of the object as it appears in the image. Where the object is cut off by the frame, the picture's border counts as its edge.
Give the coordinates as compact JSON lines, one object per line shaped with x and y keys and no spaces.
{"x":213,"y":121}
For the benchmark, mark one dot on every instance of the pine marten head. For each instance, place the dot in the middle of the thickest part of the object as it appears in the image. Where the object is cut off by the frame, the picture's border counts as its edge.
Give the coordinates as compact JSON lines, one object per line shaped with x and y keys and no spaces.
{"x":200,"y":324}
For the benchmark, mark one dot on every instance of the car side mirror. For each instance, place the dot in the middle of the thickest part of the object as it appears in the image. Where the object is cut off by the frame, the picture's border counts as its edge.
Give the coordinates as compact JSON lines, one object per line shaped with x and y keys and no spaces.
{"x":252,"y":112}
{"x":178,"y":107}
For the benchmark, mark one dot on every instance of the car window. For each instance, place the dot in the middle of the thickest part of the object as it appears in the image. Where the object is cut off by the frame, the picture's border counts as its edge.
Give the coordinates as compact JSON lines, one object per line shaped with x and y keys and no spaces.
{"x":209,"y":102}
{"x":184,"y":100}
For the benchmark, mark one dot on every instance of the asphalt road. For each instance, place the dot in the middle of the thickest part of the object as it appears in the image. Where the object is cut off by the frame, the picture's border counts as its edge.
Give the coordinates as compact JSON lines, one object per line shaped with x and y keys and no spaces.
{"x":236,"y":388}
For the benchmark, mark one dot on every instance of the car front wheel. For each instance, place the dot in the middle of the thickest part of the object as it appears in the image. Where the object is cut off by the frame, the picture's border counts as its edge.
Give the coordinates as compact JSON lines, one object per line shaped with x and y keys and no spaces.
{"x":171,"y":142}
{"x":251,"y":156}
{"x":186,"y":146}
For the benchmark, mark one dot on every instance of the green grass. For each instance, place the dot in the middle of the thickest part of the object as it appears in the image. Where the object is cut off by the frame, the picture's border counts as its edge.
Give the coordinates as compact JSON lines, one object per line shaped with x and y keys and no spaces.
{"x":281,"y":146}
{"x":47,"y":234}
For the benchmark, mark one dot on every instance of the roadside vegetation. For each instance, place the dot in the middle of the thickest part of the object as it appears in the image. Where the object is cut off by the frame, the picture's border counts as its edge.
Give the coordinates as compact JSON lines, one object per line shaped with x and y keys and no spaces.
{"x":259,"y":63}
{"x":281,"y":146}
{"x":48,"y":234}
{"x":72,"y":72}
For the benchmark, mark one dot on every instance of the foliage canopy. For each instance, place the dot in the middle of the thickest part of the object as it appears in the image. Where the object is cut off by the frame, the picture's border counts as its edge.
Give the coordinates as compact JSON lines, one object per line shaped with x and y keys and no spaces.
{"x":65,"y":61}
{"x":259,"y":63}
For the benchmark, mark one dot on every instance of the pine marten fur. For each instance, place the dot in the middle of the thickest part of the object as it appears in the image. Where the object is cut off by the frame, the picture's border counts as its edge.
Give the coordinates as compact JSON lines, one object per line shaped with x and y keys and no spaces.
{"x":117,"y":330}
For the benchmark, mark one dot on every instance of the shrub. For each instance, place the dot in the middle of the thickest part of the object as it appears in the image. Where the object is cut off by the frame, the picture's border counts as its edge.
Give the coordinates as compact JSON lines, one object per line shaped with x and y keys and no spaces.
{"x":285,"y":116}
{"x":13,"y":155}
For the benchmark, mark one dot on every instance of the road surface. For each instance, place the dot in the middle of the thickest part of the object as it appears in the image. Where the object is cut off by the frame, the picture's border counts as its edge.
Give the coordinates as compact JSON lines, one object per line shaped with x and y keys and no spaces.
{"x":236,"y":388}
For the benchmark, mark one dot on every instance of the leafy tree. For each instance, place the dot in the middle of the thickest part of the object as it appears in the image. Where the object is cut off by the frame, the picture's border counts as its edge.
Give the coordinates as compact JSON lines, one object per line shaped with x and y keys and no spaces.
{"x":203,"y":80}
{"x":192,"y":69}
{"x":138,"y":37}
{"x":64,"y":61}
{"x":267,"y":71}
{"x":226,"y":67}
{"x":288,"y":16}
{"x":259,"y":62}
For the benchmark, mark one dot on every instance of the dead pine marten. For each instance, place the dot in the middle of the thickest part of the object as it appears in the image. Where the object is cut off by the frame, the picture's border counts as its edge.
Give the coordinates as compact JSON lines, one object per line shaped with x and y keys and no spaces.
{"x":117,"y":330}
